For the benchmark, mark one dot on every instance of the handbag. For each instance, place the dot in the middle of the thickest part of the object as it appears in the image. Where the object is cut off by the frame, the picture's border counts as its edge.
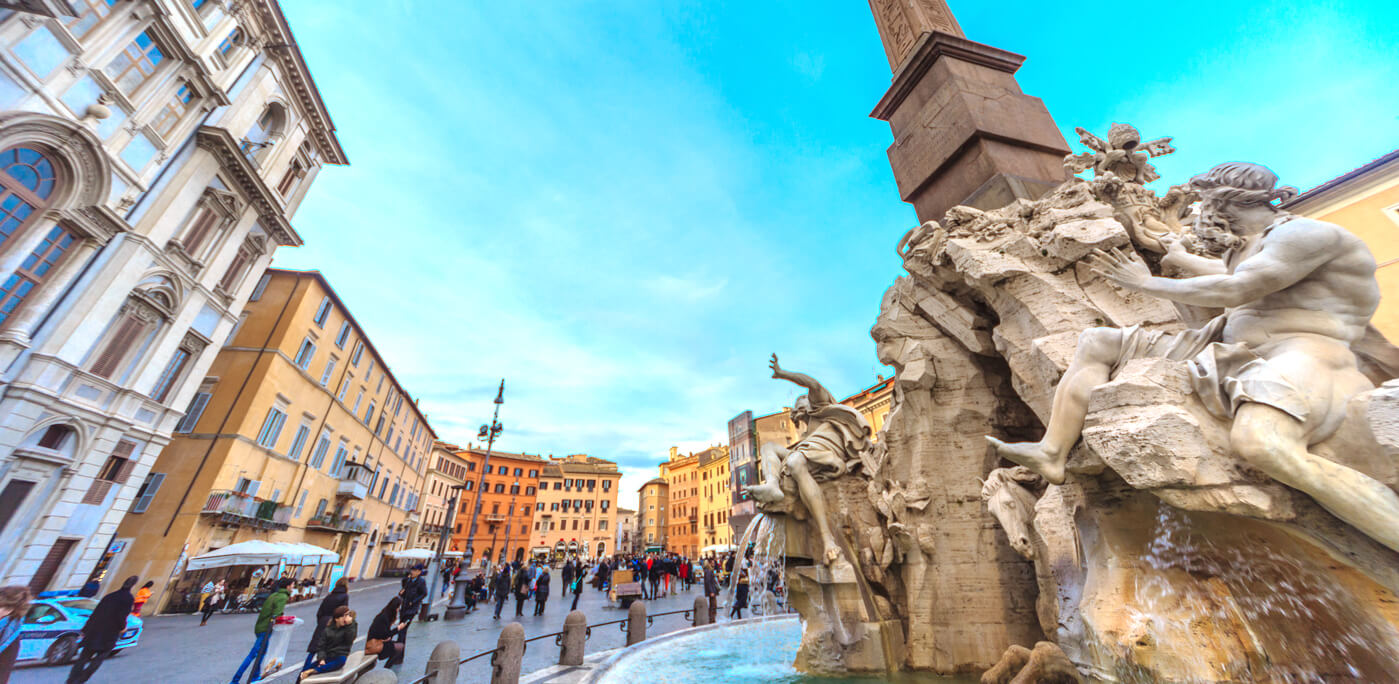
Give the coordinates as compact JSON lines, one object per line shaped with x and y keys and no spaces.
{"x":373,"y":646}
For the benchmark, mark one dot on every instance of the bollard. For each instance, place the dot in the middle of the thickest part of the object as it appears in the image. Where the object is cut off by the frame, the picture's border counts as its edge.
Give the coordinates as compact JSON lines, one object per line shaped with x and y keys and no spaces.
{"x":456,"y":608}
{"x":510,"y":650}
{"x":378,"y":677}
{"x":575,"y":633}
{"x":444,"y":663}
{"x":701,"y":611}
{"x":636,"y":622}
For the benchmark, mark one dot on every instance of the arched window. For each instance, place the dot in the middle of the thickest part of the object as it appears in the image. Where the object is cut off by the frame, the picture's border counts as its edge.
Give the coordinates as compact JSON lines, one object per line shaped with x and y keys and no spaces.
{"x":26,"y":185}
{"x":266,"y":132}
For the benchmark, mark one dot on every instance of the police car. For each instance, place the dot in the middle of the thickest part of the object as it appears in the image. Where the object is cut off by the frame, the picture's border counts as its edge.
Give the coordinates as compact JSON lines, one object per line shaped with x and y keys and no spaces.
{"x":52,"y":629}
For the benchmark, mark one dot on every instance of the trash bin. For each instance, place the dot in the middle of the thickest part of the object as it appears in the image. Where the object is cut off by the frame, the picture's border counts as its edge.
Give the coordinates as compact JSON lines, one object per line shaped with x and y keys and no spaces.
{"x":277,"y":644}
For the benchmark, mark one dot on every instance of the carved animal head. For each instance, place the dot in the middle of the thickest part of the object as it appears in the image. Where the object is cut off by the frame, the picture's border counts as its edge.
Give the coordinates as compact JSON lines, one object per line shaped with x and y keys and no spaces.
{"x":1013,"y":506}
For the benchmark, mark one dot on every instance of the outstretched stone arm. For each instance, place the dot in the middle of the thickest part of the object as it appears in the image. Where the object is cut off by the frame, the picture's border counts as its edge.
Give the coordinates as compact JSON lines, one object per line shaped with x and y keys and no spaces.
{"x":819,"y":395}
{"x":1289,"y":254}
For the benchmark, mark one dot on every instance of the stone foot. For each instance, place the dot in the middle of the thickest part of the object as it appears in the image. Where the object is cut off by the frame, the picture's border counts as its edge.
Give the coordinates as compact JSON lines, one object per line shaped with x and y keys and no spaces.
{"x":832,"y":553}
{"x":1032,"y":455}
{"x":767,"y":492}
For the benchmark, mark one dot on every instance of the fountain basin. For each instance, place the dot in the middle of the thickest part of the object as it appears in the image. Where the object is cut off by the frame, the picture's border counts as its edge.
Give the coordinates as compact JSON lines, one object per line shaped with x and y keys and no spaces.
{"x":752,"y":651}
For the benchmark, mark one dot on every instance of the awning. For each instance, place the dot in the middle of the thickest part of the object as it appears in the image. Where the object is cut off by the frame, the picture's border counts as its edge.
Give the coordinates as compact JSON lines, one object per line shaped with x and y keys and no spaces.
{"x":258,"y":552}
{"x":411,"y":554}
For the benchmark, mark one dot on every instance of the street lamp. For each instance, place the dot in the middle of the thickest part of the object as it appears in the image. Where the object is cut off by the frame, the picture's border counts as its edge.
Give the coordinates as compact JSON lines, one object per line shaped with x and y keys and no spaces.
{"x":425,"y":613}
{"x":488,"y":433}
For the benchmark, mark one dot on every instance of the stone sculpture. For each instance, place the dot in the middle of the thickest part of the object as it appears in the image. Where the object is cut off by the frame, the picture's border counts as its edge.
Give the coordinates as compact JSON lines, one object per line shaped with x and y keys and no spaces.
{"x":1296,"y":292}
{"x":834,"y":439}
{"x":1121,"y":171}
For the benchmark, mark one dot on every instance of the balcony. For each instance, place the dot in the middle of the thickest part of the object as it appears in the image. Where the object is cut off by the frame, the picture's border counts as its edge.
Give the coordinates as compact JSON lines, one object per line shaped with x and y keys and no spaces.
{"x":354,"y":481}
{"x":494,"y":517}
{"x":434,"y":529}
{"x":340,"y":524}
{"x":236,"y":508}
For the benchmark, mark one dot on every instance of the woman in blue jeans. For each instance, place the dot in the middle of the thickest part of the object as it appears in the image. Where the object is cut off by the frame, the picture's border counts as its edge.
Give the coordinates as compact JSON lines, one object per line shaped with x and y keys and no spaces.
{"x":336,"y":642}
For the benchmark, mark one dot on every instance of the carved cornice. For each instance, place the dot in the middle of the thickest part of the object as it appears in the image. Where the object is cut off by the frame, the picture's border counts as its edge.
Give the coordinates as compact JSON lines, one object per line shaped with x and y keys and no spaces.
{"x":282,"y":47}
{"x":929,"y":49}
{"x":221,"y":144}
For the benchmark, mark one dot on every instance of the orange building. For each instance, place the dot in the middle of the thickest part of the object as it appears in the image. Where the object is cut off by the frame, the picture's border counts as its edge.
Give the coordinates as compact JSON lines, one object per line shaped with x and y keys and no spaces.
{"x":682,"y":477}
{"x":508,"y":486}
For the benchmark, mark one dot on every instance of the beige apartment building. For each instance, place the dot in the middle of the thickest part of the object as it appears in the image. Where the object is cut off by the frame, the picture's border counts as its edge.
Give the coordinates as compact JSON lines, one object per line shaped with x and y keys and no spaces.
{"x":152,"y":153}
{"x":652,"y":499}
{"x":575,"y":513}
{"x":715,"y":498}
{"x":450,"y":477}
{"x":300,"y":433}
{"x":626,"y":531}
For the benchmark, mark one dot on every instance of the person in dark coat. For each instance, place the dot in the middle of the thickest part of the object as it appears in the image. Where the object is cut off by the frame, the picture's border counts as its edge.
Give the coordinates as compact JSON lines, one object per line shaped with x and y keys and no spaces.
{"x":413,"y":592}
{"x":740,"y":594}
{"x":522,"y":580}
{"x":711,"y":590}
{"x":339,"y":596}
{"x":385,"y":627}
{"x":500,"y":587}
{"x":337,"y":639}
{"x":567,"y":578}
{"x":541,"y":591}
{"x":104,"y":626}
{"x":577,"y":589}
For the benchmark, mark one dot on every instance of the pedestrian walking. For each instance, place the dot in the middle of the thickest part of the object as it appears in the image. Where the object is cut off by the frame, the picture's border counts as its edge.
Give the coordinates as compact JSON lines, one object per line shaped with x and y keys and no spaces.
{"x":413,"y":593}
{"x":107,"y":622}
{"x":653,"y":575}
{"x":567,"y":578}
{"x":577,"y":590}
{"x":14,"y":605}
{"x":740,"y":595}
{"x":336,"y":642}
{"x":711,"y":590}
{"x":522,"y":580}
{"x":475,"y":587}
{"x":339,"y":596}
{"x":141,"y":597}
{"x":541,"y":591}
{"x":272,"y":609}
{"x":215,"y":599}
{"x":381,"y":639}
{"x":500,"y":588}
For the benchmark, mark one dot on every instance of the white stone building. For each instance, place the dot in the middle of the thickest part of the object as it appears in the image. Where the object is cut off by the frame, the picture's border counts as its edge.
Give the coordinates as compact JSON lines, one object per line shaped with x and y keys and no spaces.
{"x":151,"y":155}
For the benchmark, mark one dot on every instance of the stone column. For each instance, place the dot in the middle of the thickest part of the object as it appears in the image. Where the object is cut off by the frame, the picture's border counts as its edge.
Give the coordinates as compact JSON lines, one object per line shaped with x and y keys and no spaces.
{"x":575,"y":634}
{"x":510,"y":651}
{"x":636,"y":622}
{"x":701,"y":611}
{"x":964,"y":133}
{"x":20,"y":328}
{"x":444,"y":663}
{"x":456,"y":609}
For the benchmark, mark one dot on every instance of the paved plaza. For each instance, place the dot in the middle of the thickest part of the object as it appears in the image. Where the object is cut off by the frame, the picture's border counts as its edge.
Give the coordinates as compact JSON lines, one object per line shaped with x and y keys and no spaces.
{"x":175,"y":648}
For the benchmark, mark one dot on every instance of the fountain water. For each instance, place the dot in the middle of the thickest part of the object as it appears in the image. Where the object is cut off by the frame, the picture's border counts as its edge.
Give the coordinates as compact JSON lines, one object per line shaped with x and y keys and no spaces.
{"x":765,"y":566}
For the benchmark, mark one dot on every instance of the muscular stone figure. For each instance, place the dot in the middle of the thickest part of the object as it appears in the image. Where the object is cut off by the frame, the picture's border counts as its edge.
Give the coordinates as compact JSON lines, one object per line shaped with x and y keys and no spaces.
{"x":833,"y":437}
{"x":1296,"y":293}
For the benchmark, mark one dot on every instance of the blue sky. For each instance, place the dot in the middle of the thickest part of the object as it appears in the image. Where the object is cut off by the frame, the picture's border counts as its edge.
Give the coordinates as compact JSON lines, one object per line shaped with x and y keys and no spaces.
{"x":624,"y":207}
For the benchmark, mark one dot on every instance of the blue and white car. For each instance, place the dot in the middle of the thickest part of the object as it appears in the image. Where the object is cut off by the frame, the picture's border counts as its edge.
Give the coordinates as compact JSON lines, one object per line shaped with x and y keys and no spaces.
{"x":52,"y":629}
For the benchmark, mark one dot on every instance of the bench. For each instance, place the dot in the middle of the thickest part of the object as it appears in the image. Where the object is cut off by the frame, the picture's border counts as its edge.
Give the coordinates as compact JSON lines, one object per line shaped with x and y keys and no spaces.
{"x":355,"y":666}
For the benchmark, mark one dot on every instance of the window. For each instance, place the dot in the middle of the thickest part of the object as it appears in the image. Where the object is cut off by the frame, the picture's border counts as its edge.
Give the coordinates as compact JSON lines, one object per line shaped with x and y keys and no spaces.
{"x":265,"y":132}
{"x":343,"y":335}
{"x":299,"y":442}
{"x":344,"y":387}
{"x":534,"y":473}
{"x":322,"y":312}
{"x":358,"y":398}
{"x":192,"y":414}
{"x":261,"y":285}
{"x":173,"y":111}
{"x":301,"y":503}
{"x":318,"y":456}
{"x":33,"y":270}
{"x":359,"y":351}
{"x":26,"y":184}
{"x":519,"y":472}
{"x":320,"y":508}
{"x":514,"y":489}
{"x":133,"y":65}
{"x":174,"y":370}
{"x":500,"y":488}
{"x":203,"y":224}
{"x":239,"y":266}
{"x":147,"y":492}
{"x":131,"y":326}
{"x":114,"y":472}
{"x":305,"y":354}
{"x":341,"y":452}
{"x":289,"y":180}
{"x":230,"y":41}
{"x":369,"y":414}
{"x":529,"y":491}
{"x":90,"y":13}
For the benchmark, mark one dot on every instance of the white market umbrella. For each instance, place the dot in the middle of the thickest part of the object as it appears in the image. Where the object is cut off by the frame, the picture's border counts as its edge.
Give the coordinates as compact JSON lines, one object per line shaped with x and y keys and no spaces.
{"x":718,"y":548}
{"x":252,"y":552}
{"x":309,"y":554}
{"x":412,"y":554}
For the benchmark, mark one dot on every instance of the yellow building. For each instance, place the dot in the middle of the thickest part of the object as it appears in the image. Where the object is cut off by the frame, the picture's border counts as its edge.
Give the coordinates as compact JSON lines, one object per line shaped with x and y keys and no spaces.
{"x":682,"y":522}
{"x":715,"y":497}
{"x":449,"y":477}
{"x":652,"y":499}
{"x":1365,"y":202}
{"x":575,"y":512}
{"x":299,"y":434}
{"x":874,"y":403}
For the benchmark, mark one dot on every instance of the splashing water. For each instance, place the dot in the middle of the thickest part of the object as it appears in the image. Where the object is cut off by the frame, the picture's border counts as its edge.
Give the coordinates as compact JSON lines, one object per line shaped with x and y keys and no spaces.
{"x":1213,"y":587}
{"x":766,"y":568}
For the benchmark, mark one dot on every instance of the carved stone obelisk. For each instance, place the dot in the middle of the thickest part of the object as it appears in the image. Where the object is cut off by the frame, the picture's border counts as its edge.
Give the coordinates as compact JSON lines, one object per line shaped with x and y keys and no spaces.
{"x":964,"y":133}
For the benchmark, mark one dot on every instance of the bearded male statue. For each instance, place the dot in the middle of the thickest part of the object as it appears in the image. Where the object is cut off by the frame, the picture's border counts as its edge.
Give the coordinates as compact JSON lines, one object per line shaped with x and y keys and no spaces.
{"x":834,"y":438}
{"x":1295,"y":293}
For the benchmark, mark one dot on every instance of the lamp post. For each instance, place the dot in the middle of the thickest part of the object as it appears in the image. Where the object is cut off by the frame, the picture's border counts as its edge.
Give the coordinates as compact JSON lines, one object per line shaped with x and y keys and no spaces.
{"x":425,"y":614}
{"x":488,"y":433}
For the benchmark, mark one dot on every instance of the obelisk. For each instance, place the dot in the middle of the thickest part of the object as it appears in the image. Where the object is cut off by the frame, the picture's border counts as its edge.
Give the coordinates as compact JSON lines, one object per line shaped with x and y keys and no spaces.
{"x":964,"y":133}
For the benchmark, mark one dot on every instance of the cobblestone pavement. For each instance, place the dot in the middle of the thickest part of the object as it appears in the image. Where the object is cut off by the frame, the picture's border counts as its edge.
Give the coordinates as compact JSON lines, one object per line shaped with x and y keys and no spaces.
{"x":174,"y":648}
